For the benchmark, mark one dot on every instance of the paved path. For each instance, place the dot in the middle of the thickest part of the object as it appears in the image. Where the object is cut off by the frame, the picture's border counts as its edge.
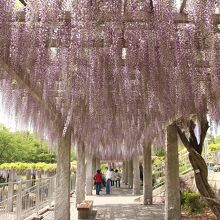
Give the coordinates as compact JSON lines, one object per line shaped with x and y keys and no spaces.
{"x":119,"y":205}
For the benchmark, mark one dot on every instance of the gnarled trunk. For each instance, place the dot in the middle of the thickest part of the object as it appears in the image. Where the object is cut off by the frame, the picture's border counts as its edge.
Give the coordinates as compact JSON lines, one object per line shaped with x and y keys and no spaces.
{"x":198,"y":163}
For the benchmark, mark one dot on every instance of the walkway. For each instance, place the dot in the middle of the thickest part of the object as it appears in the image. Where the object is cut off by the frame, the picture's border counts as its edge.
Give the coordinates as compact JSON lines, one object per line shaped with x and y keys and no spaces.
{"x":120,"y":205}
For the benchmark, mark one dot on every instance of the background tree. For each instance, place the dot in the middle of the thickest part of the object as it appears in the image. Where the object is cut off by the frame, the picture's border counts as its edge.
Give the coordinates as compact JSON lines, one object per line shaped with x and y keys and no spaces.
{"x":22,"y":146}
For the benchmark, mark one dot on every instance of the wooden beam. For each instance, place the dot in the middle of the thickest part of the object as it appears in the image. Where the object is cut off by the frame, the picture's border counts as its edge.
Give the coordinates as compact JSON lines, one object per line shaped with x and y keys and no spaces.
{"x":216,"y":19}
{"x":183,"y":5}
{"x":179,"y":18}
{"x":36,"y":93}
{"x":94,"y":43}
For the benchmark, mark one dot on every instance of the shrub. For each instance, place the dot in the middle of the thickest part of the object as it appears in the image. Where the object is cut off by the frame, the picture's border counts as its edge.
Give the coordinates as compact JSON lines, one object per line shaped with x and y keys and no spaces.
{"x":182,"y":168}
{"x":192,"y":202}
{"x":214,"y":147}
{"x":160,"y":153}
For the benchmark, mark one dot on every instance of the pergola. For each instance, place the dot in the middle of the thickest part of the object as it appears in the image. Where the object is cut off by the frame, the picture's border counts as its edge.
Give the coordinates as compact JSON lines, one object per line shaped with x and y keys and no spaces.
{"x":110,"y":76}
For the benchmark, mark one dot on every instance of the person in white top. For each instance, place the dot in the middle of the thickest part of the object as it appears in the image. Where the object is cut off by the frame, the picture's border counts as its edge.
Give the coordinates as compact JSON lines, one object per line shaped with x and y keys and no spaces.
{"x":112,"y":177}
{"x":117,"y":178}
{"x":108,"y":180}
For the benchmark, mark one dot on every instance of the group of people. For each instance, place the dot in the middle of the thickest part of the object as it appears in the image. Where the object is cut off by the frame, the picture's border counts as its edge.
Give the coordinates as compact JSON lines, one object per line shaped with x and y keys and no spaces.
{"x":112,"y":177}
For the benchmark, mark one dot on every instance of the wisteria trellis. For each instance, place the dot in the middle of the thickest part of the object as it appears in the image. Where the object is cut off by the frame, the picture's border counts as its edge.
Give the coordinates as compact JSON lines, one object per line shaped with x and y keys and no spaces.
{"x":115,"y":71}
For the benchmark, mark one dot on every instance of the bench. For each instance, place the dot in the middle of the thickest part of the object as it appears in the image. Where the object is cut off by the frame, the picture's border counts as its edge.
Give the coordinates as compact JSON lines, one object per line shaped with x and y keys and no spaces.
{"x":85,"y":209}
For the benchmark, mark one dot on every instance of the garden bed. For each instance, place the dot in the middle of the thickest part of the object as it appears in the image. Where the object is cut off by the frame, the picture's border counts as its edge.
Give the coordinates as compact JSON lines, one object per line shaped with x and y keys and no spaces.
{"x":206,"y":215}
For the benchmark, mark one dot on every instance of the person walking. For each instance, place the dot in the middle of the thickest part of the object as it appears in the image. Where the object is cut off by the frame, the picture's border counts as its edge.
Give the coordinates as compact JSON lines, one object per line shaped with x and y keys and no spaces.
{"x":98,"y":181}
{"x":117,"y":178}
{"x":108,"y":180}
{"x":112,"y":177}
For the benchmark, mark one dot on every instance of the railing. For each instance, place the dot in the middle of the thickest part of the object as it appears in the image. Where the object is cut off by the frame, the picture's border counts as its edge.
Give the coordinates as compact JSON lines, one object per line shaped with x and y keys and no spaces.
{"x":30,"y":200}
{"x":183,"y":162}
{"x":10,"y":188}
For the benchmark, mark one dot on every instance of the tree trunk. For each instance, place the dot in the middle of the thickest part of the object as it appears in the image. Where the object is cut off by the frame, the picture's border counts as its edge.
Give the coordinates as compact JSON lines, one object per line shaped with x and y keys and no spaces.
{"x":201,"y":178}
{"x":198,"y":163}
{"x":62,"y":200}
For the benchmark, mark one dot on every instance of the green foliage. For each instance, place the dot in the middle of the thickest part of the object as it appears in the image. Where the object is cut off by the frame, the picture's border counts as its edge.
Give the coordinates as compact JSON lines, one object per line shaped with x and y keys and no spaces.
{"x":20,"y":167}
{"x":28,"y":166}
{"x":214,"y":147}
{"x":73,"y":155}
{"x":158,"y":161}
{"x":160,"y":153}
{"x":103,"y":167}
{"x":214,"y":144}
{"x":192,"y":202}
{"x":22,"y":147}
{"x":182,"y":168}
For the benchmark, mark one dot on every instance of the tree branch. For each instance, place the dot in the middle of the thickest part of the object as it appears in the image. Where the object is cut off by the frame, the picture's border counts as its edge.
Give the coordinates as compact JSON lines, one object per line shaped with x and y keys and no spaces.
{"x":214,"y":201}
{"x":23,"y":2}
{"x":151,"y":6}
{"x":204,"y":129}
{"x":193,"y":139}
{"x":183,"y":5}
{"x":184,"y":139}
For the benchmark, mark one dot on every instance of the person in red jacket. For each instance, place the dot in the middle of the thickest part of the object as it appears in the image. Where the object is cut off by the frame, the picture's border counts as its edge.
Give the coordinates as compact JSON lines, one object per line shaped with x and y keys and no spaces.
{"x":98,"y":181}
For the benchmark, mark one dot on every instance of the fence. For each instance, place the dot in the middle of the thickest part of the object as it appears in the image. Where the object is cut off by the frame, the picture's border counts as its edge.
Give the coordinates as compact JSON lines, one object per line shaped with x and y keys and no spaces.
{"x":27,"y":201}
{"x":185,"y":166}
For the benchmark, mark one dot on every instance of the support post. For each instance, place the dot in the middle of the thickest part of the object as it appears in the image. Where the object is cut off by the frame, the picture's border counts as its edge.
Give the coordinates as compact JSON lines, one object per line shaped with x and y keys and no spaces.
{"x":28,"y":178}
{"x":89,"y":174}
{"x":38,"y":196}
{"x":130,"y":174}
{"x":19,"y":202}
{"x":126,"y":172}
{"x":62,"y":200}
{"x":10,"y":190}
{"x":98,"y":165}
{"x":94,"y":166}
{"x":172,"y":201}
{"x":136,"y":175}
{"x":123,"y":171}
{"x":147,"y":175}
{"x":80,"y":173}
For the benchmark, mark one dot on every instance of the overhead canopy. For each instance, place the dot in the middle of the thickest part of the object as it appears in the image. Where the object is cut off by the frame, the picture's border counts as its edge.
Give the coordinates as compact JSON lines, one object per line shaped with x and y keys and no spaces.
{"x":114,"y":72}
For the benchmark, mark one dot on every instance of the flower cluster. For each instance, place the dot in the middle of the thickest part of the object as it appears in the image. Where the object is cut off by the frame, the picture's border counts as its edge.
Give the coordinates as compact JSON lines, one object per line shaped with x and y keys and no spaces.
{"x":115,"y":72}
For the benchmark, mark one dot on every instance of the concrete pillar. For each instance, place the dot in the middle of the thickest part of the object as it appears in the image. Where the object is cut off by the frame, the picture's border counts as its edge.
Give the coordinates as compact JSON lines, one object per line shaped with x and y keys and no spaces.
{"x":62,"y":199}
{"x":39,"y":174}
{"x":123,"y":171}
{"x":11,"y":180}
{"x":136,"y":176}
{"x":28,"y":178}
{"x":98,"y":165}
{"x":172,"y":201}
{"x":89,"y":174}
{"x":109,"y":165}
{"x":94,"y":169}
{"x":126,"y":172}
{"x":80,"y":173}
{"x":113,"y":165}
{"x":147,"y":175}
{"x":130,"y":174}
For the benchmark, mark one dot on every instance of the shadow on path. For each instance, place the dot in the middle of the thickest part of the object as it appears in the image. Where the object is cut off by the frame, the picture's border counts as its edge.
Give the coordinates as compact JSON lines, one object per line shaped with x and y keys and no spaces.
{"x":121,"y":205}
